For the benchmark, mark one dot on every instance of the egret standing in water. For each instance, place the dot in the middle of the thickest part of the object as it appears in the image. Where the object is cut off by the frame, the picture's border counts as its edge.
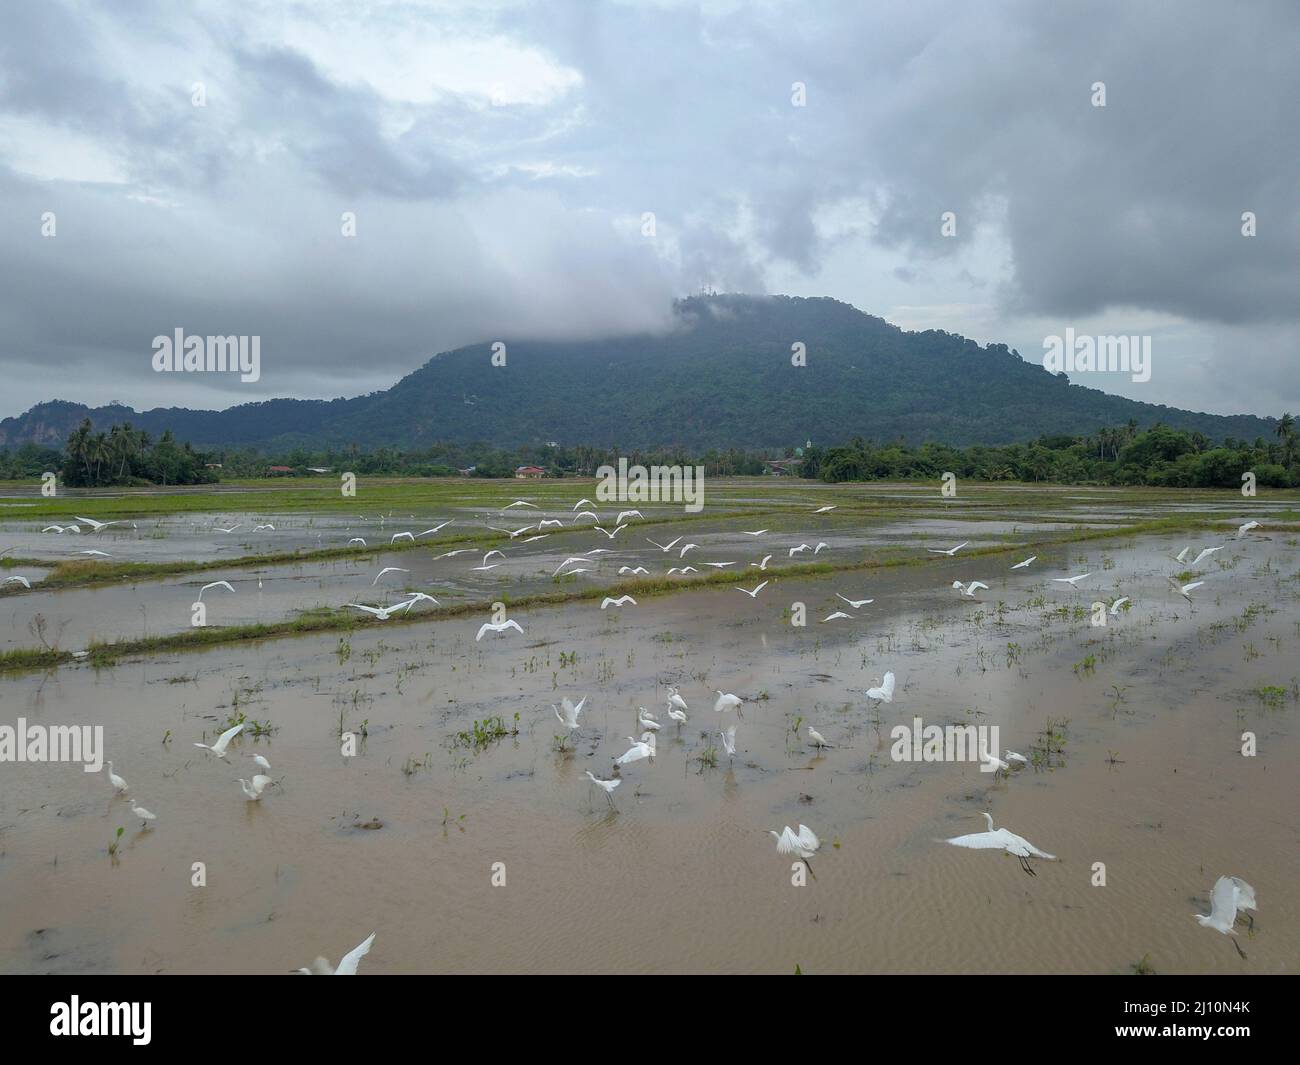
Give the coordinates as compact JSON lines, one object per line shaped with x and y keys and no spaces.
{"x":607,"y":786}
{"x":819,"y":741}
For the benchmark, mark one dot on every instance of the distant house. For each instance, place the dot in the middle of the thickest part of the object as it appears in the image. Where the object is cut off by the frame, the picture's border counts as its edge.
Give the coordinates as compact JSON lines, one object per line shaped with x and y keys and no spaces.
{"x":783,"y":467}
{"x":524,"y":473}
{"x":278,"y":470}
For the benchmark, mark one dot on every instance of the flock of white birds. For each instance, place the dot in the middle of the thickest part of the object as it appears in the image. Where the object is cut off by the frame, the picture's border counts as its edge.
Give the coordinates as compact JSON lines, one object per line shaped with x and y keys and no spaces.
{"x":1229,"y":897}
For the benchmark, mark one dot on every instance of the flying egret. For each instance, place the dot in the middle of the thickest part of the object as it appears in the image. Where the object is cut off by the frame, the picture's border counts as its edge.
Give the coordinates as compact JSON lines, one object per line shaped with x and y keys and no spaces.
{"x":1073,"y":582}
{"x":144,"y":815}
{"x":568,"y":713}
{"x":646,"y":720}
{"x":632,"y":570}
{"x":688,"y":547}
{"x":1205,"y":553}
{"x":823,"y":510}
{"x":726,"y":701}
{"x":485,"y":567}
{"x":883,"y":691}
{"x":267,"y":525}
{"x":119,"y":785}
{"x":803,"y":843}
{"x":759,"y":532}
{"x":95,"y":526}
{"x":440,"y":525}
{"x":97,"y":554}
{"x":519,"y":503}
{"x":819,"y":741}
{"x":1182,"y":555}
{"x":1185,"y":590}
{"x":665,"y":548}
{"x":620,"y":601}
{"x":1229,"y":894}
{"x":215,"y":584}
{"x":387,"y":569}
{"x":948,"y":551}
{"x":498,"y":627}
{"x":836,"y":616}
{"x":754,"y":593}
{"x":566,"y":562}
{"x":644,"y":748}
{"x":417,"y":597}
{"x":718,"y":565}
{"x":489,"y":554}
{"x":627,"y":514}
{"x":219,"y":748}
{"x":856,"y":604}
{"x":762,"y":566}
{"x":682,"y":569}
{"x":795,"y":550}
{"x":453,"y":554}
{"x":382,"y":613}
{"x":356,"y":540}
{"x":607,"y":786}
{"x":397,"y":536}
{"x":610,"y":533}
{"x":1003,"y":840}
{"x":551,"y":523}
{"x":583,"y":502}
{"x":347,"y":964}
{"x":1242,"y":530}
{"x":728,"y":737}
{"x":21,"y":580}
{"x":969,"y":590}
{"x":261,"y":761}
{"x":1026,"y":562}
{"x":1114,"y":607}
{"x":237,"y":525}
{"x":820,"y":545}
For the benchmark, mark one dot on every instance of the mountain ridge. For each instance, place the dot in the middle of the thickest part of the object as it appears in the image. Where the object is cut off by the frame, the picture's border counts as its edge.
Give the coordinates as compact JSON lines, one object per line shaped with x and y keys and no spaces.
{"x":721,"y":378}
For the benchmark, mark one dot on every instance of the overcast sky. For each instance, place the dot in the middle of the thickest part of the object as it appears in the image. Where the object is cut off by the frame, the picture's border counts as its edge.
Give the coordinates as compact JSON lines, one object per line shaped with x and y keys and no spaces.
{"x":499,"y":159}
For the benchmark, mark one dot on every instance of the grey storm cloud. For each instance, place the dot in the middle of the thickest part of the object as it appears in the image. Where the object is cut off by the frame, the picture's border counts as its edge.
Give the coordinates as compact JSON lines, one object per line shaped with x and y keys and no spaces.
{"x":480,"y":217}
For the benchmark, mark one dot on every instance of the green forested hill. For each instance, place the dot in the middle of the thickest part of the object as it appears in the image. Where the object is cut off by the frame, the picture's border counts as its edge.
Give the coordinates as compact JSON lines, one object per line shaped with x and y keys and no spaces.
{"x":722,"y":378}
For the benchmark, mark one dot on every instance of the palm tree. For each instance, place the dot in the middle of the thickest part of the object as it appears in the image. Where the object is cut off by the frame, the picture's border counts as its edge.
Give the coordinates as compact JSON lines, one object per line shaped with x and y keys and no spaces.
{"x":1286,"y":433}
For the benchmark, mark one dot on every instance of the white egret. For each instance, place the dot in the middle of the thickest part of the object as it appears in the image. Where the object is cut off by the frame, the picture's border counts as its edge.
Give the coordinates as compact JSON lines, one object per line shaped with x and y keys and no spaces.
{"x":675,"y":700}
{"x":610,"y":533}
{"x":819,"y":741}
{"x":823,"y":510}
{"x":969,"y":590}
{"x":1003,"y":840}
{"x":95,"y":526}
{"x":759,"y":532}
{"x":726,"y":701}
{"x":1182,"y":555}
{"x":820,"y":545}
{"x":356,"y":540}
{"x":627,"y":514}
{"x":144,"y":815}
{"x":665,"y":548}
{"x":19,"y":579}
{"x":586,"y":514}
{"x":119,"y":785}
{"x":646,"y":720}
{"x":717,"y":565}
{"x":1205,"y":553}
{"x":632,"y":570}
{"x":383,"y":613}
{"x":253,"y":789}
{"x":1242,"y":530}
{"x":485,"y":567}
{"x":948,"y":551}
{"x":688,"y":547}
{"x":347,"y":964}
{"x":219,"y":748}
{"x":795,"y":550}
{"x":387,"y":569}
{"x":607,"y":786}
{"x":677,"y":715}
{"x":1185,"y":590}
{"x":836,"y":616}
{"x":520,"y":503}
{"x":728,"y":737}
{"x":489,"y":554}
{"x":453,"y":554}
{"x":856,"y":604}
{"x":620,"y":601}
{"x":644,"y":748}
{"x":397,"y":536}
{"x":417,"y":597}
{"x":803,"y":843}
{"x":1026,"y":562}
{"x":1229,"y":894}
{"x":884,"y":690}
{"x":568,"y":713}
{"x":1114,"y":607}
{"x":754,"y":593}
{"x":261,"y":761}
{"x":267,"y":525}
{"x":682,"y":569}
{"x":237,"y":525}
{"x":583,"y":502}
{"x":999,"y":766}
{"x":1073,"y":582}
{"x":762,"y":566}
{"x":97,"y":554}
{"x":215,"y":584}
{"x":1020,"y":758}
{"x":498,"y":627}
{"x":566,"y":562}
{"x":549,"y":523}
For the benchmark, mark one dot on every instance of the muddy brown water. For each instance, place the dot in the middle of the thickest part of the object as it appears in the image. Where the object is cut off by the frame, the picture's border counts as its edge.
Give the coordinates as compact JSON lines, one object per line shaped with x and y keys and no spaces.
{"x":681,"y":875}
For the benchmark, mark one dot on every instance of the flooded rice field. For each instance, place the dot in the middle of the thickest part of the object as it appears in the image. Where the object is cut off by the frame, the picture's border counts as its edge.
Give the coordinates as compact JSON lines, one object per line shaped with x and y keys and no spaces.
{"x":425,"y":788}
